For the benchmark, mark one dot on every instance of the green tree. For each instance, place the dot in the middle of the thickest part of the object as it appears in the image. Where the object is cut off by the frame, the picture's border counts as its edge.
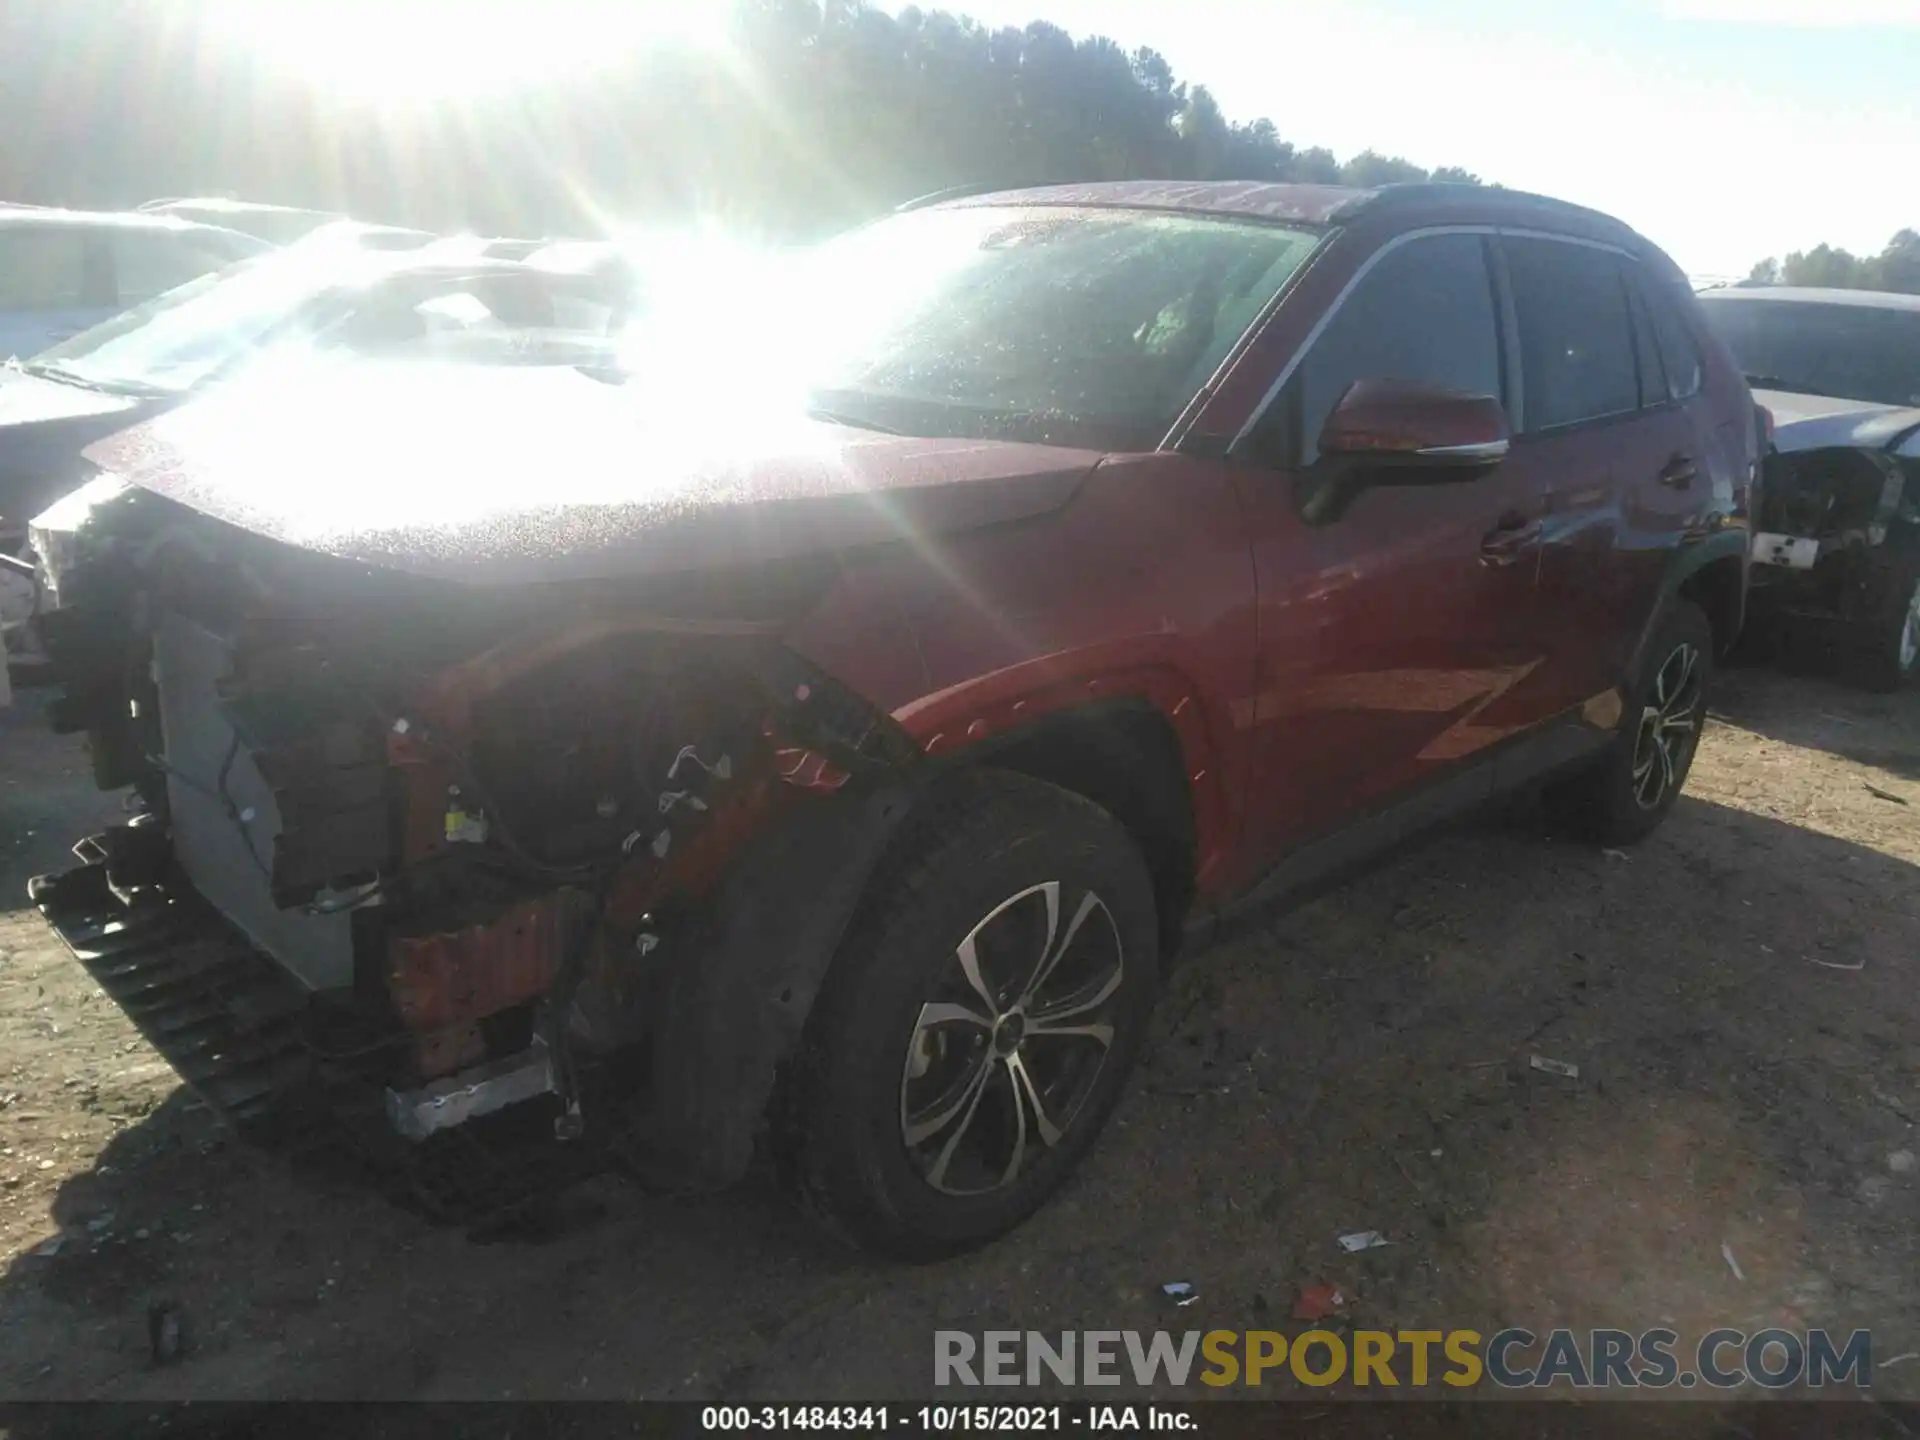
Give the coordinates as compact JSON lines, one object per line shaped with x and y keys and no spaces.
{"x":815,"y":114}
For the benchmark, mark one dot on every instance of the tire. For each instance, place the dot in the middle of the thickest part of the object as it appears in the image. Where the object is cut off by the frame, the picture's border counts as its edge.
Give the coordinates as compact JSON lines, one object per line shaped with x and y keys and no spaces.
{"x":898,"y":1130}
{"x":1623,"y":798}
{"x":1886,"y":654}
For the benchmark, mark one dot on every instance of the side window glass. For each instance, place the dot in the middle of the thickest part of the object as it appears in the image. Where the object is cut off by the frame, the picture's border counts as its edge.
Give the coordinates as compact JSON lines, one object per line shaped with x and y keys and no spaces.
{"x":1576,"y":343}
{"x":1678,"y":349}
{"x":1423,"y":313}
{"x":145,"y":265}
{"x":42,"y":268}
{"x":1653,"y":371}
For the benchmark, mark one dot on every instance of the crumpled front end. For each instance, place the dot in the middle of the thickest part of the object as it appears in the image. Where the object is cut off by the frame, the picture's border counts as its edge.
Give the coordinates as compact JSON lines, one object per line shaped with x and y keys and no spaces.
{"x":494,"y":886}
{"x":1834,"y":526}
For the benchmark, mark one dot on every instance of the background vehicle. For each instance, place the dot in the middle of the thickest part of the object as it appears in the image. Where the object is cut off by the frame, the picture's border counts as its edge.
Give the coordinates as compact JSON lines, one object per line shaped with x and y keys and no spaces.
{"x":64,"y":270}
{"x":278,"y":224}
{"x":840,"y":728}
{"x":317,"y":292}
{"x":325,"y":293}
{"x":1839,"y":526}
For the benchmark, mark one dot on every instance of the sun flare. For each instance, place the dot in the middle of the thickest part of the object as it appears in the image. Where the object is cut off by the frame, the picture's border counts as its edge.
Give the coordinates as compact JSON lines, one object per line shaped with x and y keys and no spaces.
{"x":401,"y":50}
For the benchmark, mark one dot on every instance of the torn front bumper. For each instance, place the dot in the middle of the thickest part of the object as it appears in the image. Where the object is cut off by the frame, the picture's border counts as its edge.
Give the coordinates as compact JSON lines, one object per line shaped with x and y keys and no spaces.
{"x":263,"y":1055}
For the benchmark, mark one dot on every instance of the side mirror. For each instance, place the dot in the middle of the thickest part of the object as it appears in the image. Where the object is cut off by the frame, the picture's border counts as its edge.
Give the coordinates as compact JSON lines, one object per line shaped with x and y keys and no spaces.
{"x":1417,"y":433}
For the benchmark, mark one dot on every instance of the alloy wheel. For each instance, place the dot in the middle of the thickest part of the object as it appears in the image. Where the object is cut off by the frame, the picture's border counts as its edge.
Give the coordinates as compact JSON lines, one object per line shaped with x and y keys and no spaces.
{"x":1009,"y":1045}
{"x":1669,"y":728}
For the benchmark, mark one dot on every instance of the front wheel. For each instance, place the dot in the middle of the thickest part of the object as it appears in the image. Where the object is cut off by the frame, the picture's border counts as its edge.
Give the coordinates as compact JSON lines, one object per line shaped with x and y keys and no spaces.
{"x":978,"y":1025}
{"x":1624,"y":797}
{"x":1887,"y":655}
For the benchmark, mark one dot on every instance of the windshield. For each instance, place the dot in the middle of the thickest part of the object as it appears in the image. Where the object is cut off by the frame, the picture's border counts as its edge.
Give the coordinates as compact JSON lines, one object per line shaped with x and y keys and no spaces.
{"x":1853,"y":352}
{"x":1069,"y":326}
{"x":177,"y":339}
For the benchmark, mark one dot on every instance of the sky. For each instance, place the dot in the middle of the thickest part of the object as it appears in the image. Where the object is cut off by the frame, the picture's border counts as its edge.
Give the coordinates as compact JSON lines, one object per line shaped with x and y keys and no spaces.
{"x":1724,"y":130}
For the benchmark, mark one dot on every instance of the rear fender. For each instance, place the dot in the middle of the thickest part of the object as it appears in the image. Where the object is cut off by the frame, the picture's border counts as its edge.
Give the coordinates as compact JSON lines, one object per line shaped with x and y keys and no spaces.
{"x":1726,"y":547}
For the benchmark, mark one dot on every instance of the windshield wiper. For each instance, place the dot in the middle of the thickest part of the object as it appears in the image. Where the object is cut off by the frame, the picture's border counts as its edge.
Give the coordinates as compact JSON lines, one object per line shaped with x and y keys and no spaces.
{"x":64,"y":376}
{"x":1775,"y":382}
{"x":856,"y":422}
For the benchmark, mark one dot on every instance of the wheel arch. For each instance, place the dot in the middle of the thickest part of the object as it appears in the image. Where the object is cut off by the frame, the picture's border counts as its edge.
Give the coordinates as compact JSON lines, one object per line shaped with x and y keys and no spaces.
{"x":1711,"y":574}
{"x":1718,"y":585}
{"x":1125,"y":756}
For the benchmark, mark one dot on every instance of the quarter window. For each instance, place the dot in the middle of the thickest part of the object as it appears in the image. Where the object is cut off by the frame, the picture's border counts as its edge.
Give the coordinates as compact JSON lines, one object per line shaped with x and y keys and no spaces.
{"x":1678,"y":349}
{"x":1653,"y":371}
{"x":1423,"y":313}
{"x":1576,"y":342}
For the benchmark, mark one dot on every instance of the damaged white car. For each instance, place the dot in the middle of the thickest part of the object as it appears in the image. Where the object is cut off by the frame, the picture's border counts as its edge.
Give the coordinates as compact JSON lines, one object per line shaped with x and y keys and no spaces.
{"x":1837,"y":537}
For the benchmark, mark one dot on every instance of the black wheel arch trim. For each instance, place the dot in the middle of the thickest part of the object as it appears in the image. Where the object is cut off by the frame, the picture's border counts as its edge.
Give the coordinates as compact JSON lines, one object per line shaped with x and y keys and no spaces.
{"x":730,"y":1012}
{"x":1718,"y":547}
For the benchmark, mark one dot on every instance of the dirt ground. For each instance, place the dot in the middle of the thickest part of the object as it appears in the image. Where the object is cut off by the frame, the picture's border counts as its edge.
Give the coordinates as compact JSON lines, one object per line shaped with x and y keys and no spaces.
{"x":1739,"y":995}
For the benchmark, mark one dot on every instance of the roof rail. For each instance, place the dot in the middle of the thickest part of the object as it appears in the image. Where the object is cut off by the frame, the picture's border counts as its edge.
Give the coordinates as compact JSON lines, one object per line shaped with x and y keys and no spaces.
{"x":957,"y":192}
{"x":1421,"y":192}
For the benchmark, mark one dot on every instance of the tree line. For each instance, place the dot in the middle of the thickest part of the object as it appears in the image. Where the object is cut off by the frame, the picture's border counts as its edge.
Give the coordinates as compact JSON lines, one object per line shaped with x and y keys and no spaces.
{"x":1895,"y":268}
{"x":815,"y":114}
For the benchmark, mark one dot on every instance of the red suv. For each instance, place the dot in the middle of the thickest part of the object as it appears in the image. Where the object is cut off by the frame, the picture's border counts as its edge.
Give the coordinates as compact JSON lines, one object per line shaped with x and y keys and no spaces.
{"x":539,"y":774}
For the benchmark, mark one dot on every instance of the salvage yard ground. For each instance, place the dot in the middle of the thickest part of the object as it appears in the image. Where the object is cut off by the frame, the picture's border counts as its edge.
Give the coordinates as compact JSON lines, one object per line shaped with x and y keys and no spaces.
{"x":1739,"y":996}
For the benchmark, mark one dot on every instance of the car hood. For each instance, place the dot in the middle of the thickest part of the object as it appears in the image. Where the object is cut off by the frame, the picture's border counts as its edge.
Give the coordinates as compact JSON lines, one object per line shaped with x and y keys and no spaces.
{"x":30,"y":400}
{"x":1815,"y":422}
{"x":494,"y":476}
{"x":44,"y":425}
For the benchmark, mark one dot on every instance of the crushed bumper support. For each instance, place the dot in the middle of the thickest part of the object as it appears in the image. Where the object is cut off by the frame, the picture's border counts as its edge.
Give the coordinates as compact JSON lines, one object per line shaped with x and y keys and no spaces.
{"x":242,"y":1035}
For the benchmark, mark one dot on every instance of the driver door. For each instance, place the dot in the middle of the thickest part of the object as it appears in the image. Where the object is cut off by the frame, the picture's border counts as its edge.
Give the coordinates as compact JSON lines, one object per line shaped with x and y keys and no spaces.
{"x":1394,"y":639}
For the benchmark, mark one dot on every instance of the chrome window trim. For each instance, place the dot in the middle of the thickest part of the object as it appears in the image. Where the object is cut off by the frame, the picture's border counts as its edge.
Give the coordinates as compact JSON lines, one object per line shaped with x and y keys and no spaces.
{"x":1407,"y":237}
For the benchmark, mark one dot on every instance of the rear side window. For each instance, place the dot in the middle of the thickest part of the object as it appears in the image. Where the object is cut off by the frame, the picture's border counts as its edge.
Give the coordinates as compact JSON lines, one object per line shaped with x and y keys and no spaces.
{"x":1423,"y":313}
{"x":1679,"y":351}
{"x":148,"y":264}
{"x":42,"y":268}
{"x":1576,"y":341}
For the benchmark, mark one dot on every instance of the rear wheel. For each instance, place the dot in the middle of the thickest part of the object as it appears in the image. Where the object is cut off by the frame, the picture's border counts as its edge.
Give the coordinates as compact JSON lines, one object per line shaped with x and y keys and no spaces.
{"x":977,"y":1027}
{"x":1624,"y":797}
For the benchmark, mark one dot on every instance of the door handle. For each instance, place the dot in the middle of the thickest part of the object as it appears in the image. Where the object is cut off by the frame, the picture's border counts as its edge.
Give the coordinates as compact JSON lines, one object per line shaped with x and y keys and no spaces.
{"x":1504,"y":544}
{"x":1678,"y":472}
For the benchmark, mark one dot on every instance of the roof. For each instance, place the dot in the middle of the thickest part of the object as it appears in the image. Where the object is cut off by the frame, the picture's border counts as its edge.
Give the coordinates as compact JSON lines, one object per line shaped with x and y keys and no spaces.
{"x":1811,"y":295}
{"x":231,"y":205}
{"x":100,"y":219}
{"x":1296,"y":204}
{"x":1307,"y":204}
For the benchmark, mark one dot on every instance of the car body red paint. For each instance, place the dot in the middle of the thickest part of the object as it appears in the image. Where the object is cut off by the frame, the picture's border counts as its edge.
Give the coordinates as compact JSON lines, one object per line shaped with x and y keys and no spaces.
{"x":1396,"y":500}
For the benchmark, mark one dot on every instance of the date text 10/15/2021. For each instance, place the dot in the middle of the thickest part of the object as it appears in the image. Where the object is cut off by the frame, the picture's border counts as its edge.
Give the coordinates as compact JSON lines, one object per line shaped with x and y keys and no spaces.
{"x":945,"y":1419}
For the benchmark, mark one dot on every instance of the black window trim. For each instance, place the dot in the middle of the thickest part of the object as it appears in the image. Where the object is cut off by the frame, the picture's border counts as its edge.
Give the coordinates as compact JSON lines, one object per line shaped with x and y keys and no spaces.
{"x":1640,"y":308}
{"x":1512,"y":374}
{"x":1650,"y":288}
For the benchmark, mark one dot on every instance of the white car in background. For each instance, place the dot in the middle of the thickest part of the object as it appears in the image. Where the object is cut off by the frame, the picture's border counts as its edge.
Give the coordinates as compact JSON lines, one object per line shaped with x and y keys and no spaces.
{"x":62,"y":271}
{"x":1837,"y":542}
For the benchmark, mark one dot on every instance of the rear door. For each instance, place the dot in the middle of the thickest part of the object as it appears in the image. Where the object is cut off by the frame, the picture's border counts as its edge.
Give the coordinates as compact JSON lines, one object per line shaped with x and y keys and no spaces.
{"x":1603,"y":446}
{"x":1391,"y":639}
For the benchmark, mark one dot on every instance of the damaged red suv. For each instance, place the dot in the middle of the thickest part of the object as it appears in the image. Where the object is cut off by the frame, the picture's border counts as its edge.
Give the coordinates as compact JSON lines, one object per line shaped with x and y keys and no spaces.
{"x":538,"y":775}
